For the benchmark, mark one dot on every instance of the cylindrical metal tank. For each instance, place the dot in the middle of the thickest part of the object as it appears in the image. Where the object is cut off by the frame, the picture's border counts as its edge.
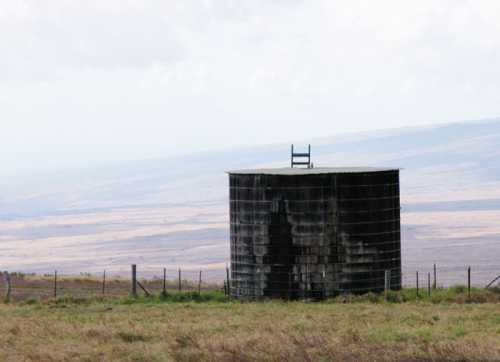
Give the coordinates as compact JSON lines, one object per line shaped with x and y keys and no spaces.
{"x":314,"y":233}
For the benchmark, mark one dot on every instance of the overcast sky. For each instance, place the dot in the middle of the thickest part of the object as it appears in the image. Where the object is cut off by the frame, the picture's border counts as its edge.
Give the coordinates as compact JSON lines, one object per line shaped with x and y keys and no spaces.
{"x":100,"y":80}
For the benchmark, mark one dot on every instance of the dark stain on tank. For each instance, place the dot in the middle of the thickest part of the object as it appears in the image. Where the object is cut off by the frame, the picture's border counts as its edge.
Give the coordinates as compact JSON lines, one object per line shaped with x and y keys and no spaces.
{"x":280,"y":283}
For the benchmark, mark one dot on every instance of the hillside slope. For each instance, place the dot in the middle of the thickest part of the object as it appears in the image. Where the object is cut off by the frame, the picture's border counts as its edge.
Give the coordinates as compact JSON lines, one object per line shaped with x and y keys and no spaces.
{"x":174,"y":211}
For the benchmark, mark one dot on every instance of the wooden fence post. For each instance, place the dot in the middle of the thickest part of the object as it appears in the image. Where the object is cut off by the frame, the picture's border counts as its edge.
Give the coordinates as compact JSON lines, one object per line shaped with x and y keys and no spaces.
{"x":104,"y":283}
{"x":307,"y":282}
{"x":429,"y":284}
{"x":323,"y":285}
{"x":55,"y":284}
{"x":199,"y":284}
{"x":148,"y":294}
{"x":228,"y":282}
{"x":492,"y":282}
{"x":8,"y":286}
{"x":417,"y":284}
{"x":387,"y":283}
{"x":180,"y":280}
{"x":434,"y":286}
{"x":468,"y":282}
{"x":164,"y":292}
{"x":134,"y":281}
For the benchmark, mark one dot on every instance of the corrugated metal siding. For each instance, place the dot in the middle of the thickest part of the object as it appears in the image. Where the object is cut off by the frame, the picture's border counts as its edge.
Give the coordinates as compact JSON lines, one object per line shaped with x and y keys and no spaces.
{"x":314,"y":236}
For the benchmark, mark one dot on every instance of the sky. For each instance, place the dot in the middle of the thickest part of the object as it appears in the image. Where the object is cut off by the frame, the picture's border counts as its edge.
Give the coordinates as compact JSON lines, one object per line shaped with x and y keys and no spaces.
{"x":89,"y":81}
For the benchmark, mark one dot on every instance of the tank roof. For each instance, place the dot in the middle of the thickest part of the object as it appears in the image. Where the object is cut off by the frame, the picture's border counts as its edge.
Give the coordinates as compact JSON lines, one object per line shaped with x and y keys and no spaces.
{"x":287,"y":171}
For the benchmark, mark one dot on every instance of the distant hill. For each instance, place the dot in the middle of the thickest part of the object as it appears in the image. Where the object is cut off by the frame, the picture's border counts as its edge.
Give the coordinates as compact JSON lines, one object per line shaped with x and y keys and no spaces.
{"x":444,"y":158}
{"x":174,"y":212}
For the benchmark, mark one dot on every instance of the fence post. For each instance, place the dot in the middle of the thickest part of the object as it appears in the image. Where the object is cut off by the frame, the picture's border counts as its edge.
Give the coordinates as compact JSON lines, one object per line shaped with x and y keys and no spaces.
{"x":228,"y":282}
{"x":225,"y":288}
{"x":417,"y":284}
{"x":104,"y":283}
{"x":164,"y":292}
{"x":180,"y":281}
{"x":199,"y":284}
{"x":387,"y":283}
{"x":468,"y":282}
{"x":429,"y":284}
{"x":434,"y":286}
{"x":8,"y":286}
{"x":134,"y":281}
{"x":307,"y":282}
{"x":299,"y":283}
{"x":55,"y":284}
{"x":493,"y":281}
{"x":323,"y":285}
{"x":148,"y":294}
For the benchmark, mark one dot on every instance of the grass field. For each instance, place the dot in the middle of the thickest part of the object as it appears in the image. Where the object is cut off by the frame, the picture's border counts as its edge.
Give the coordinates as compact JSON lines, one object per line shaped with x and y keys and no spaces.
{"x":188,"y":327}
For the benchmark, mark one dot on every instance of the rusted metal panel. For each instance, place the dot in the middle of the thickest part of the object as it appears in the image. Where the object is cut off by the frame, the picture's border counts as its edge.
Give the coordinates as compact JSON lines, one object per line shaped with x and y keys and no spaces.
{"x":302,"y":234}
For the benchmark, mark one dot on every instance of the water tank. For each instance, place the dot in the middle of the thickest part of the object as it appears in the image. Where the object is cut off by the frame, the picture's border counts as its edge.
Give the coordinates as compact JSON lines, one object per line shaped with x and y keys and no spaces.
{"x":314,"y":233}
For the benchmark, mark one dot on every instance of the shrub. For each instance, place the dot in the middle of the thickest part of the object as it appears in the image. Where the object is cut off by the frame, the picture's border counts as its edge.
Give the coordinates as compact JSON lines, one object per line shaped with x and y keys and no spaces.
{"x":131,"y":337}
{"x":30,"y":301}
{"x":393,"y":297}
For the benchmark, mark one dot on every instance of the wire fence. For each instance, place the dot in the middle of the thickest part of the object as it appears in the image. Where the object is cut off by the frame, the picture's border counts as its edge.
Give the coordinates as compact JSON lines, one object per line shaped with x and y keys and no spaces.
{"x":448,"y":275}
{"x":19,"y":286}
{"x":155,"y":281}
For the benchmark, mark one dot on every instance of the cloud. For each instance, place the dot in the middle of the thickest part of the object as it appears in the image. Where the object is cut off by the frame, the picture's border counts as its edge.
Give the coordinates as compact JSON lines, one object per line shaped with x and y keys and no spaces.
{"x":290,"y":44}
{"x":135,"y":78}
{"x":40,"y":38}
{"x":75,"y":35}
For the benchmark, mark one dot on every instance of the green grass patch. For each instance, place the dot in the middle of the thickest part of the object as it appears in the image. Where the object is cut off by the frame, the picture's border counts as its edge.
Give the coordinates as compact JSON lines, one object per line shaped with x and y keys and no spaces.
{"x":179,"y":297}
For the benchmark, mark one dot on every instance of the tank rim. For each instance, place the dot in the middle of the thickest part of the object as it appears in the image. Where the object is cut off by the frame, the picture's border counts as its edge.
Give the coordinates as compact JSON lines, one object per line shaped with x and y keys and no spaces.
{"x":288,"y":171}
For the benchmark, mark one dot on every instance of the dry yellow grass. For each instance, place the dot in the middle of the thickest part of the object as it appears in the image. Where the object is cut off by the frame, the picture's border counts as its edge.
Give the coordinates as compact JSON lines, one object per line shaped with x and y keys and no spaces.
{"x":273,"y":331}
